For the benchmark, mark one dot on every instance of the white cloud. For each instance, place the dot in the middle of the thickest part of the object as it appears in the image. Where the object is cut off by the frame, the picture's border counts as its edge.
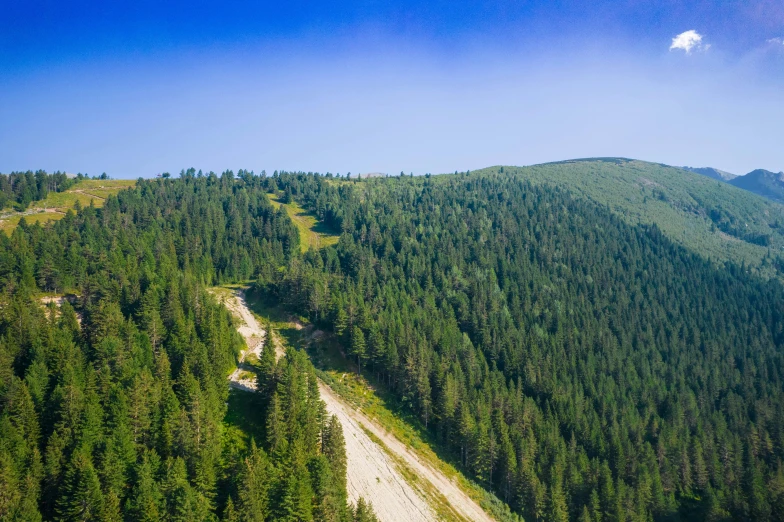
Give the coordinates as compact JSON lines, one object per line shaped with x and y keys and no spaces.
{"x":688,"y":41}
{"x":776,"y":41}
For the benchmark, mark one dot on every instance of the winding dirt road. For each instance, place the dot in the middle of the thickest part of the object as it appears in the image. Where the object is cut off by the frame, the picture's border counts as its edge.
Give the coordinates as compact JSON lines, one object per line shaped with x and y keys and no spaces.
{"x":371,"y":472}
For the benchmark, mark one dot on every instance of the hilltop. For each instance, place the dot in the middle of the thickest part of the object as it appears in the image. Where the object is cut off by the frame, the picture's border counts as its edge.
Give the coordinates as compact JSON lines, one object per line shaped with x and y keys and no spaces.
{"x":713,"y":218}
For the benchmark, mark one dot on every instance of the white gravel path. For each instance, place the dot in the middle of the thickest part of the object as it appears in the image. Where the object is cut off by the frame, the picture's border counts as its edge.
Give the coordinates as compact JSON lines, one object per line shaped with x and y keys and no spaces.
{"x":371,"y":472}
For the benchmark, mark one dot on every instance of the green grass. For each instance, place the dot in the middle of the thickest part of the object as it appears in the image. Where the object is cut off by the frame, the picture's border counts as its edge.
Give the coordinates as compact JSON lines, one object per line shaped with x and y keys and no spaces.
{"x":65,"y":200}
{"x":8,"y":225}
{"x":312,"y":232}
{"x":99,"y":193}
{"x":85,"y":191}
{"x":244,"y":416}
{"x":111,"y":184}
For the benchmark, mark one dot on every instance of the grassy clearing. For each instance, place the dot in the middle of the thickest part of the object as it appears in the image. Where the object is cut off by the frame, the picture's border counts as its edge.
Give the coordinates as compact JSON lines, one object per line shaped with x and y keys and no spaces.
{"x":8,"y":225}
{"x":113,"y":184}
{"x":66,"y":200}
{"x":84,"y":192}
{"x":99,"y":193}
{"x":96,"y":190}
{"x":243,"y":418}
{"x":312,"y":233}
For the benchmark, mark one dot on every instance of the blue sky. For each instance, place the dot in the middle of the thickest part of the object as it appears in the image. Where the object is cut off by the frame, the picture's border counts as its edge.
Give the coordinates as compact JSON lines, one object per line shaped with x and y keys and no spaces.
{"x":137,"y":89}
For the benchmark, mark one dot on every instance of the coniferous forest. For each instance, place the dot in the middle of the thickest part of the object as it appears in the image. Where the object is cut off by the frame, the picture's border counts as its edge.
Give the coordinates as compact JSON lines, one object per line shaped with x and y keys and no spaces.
{"x":580,"y":367}
{"x":111,"y":405}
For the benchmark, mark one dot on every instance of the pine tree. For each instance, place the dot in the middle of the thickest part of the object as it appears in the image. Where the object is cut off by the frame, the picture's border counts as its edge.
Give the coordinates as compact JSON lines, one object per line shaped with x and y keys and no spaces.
{"x":111,"y":508}
{"x":364,"y":512}
{"x":358,"y":347}
{"x":294,"y":499}
{"x":252,"y":504}
{"x":333,"y":447}
{"x":341,"y":321}
{"x":82,"y":498}
{"x":145,"y":502}
{"x":150,"y":317}
{"x":10,"y":492}
{"x":277,"y":440}
{"x":328,"y":504}
{"x":230,"y":513}
{"x":179,"y":496}
{"x":755,"y":488}
{"x":557,"y":510}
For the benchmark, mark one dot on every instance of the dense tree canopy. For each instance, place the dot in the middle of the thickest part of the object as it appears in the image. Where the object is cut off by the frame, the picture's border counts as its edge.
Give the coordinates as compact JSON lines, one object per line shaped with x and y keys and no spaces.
{"x":580,"y":367}
{"x":112,"y":404}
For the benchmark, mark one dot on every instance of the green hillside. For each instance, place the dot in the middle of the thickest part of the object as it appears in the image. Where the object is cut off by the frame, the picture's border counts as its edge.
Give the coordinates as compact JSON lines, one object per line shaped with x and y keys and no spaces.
{"x":532,"y":325}
{"x":312,"y":233}
{"x":579,"y":366}
{"x":713,"y":218}
{"x":56,"y":204}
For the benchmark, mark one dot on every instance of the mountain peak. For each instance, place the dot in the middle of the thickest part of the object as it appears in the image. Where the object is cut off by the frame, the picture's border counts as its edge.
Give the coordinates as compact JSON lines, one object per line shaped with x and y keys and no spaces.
{"x":763,"y":182}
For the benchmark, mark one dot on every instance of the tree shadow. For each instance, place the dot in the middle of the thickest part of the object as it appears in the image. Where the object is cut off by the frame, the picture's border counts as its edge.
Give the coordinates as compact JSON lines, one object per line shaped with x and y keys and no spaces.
{"x":246,"y":412}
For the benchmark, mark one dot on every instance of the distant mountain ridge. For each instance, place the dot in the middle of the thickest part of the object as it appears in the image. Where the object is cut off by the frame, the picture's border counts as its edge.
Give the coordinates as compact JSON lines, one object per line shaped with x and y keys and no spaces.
{"x":761,"y":182}
{"x":720,"y":175}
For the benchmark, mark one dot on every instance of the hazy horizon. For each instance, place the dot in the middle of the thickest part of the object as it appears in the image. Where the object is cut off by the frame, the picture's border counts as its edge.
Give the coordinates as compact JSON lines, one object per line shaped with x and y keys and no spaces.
{"x":138,"y":90}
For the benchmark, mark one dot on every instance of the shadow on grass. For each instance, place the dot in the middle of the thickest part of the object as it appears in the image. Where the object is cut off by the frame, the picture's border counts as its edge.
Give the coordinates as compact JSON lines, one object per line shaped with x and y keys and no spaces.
{"x":263,"y":304}
{"x":325,"y":230}
{"x":246,"y":413}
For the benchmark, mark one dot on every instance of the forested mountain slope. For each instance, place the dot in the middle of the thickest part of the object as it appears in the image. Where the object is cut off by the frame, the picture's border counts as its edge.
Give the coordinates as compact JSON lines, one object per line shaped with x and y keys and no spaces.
{"x":707,"y":216}
{"x":581,"y":367}
{"x":574,"y":358}
{"x":112,"y":406}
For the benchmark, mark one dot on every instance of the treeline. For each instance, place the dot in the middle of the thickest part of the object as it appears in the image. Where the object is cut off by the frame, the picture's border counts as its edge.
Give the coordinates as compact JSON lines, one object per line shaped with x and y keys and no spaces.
{"x":22,"y":188}
{"x":582,"y":368}
{"x":112,"y":404}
